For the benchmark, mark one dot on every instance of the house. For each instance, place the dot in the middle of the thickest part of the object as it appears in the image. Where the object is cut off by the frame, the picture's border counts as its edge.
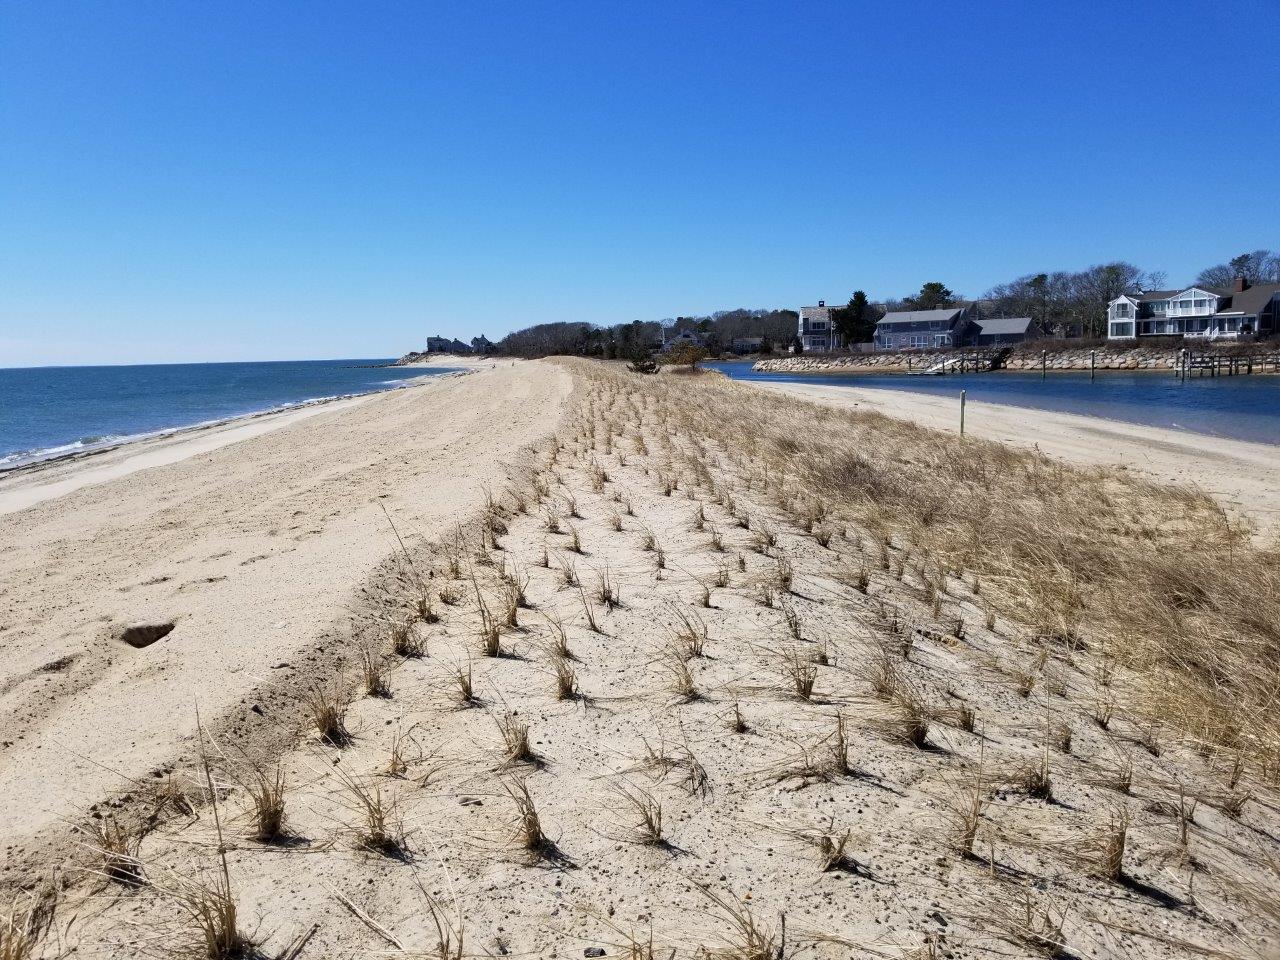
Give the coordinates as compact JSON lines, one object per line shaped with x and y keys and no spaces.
{"x":437,"y":345}
{"x":1209,"y":313}
{"x":457,"y":346}
{"x":927,"y":329}
{"x":684,"y":336}
{"x":1004,"y":331}
{"x":746,"y":344}
{"x":481,"y":344}
{"x":815,"y":328}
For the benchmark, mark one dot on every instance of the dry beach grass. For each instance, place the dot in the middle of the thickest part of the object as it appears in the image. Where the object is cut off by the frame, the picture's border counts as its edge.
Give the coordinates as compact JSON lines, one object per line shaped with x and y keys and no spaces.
{"x":721,"y":673}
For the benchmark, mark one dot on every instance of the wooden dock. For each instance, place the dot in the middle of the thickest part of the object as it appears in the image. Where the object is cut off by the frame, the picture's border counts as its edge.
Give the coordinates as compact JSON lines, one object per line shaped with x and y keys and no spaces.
{"x":1227,"y":365}
{"x":966,"y":361}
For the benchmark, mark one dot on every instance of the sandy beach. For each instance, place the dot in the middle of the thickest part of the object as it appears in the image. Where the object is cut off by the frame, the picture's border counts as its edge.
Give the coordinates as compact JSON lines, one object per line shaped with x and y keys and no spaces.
{"x":1242,"y":476}
{"x":250,"y":539}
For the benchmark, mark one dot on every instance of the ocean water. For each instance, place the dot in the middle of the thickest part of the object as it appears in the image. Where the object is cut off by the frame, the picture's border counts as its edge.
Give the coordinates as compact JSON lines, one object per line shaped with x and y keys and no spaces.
{"x":1240,"y":407}
{"x":51,"y":411}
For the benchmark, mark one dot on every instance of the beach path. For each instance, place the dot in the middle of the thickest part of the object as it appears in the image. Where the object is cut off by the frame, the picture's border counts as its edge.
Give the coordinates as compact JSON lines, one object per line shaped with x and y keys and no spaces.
{"x":1242,"y":476}
{"x":250,"y":549}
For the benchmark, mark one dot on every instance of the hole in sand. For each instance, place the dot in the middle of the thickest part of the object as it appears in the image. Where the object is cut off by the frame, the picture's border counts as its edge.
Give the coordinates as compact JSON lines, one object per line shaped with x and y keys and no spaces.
{"x":139,"y":635}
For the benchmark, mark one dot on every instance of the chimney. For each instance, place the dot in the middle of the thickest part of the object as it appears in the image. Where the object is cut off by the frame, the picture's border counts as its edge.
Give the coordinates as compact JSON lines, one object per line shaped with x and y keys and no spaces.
{"x":1241,"y":285}
{"x":822,"y":303}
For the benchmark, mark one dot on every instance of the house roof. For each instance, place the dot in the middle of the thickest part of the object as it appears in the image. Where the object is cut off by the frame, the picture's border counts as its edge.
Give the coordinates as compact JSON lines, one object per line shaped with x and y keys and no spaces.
{"x":1251,"y":300}
{"x":1248,"y":301}
{"x":1004,"y":325}
{"x":946,"y":314}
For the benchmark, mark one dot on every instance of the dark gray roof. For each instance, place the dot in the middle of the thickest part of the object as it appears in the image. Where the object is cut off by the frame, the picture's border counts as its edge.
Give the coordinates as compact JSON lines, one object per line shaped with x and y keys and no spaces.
{"x":920,"y":316}
{"x":1250,"y":301}
{"x":1147,"y":296}
{"x":993,"y":326}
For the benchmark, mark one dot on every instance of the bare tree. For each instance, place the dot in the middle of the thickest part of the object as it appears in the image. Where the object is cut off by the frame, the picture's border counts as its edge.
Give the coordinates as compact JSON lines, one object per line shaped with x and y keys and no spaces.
{"x":1260,"y":266}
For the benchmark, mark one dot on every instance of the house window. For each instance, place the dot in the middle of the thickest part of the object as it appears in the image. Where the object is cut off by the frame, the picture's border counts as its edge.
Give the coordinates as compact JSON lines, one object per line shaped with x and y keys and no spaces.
{"x":818,"y":325}
{"x":1122,"y":310}
{"x":1122,"y":329}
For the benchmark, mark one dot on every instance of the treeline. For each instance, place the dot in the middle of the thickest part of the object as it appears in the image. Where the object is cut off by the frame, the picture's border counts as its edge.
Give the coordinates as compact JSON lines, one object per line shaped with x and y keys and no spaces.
{"x":630,"y":340}
{"x":1069,"y":303}
{"x":1063,"y":303}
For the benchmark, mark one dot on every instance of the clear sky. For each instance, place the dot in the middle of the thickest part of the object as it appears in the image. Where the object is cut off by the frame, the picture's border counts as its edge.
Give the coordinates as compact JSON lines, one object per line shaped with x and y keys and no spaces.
{"x":261,"y":180}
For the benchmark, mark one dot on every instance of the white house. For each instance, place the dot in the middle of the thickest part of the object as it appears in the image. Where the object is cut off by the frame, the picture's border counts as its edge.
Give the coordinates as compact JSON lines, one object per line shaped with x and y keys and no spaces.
{"x":815,"y":328}
{"x":1200,"y":312}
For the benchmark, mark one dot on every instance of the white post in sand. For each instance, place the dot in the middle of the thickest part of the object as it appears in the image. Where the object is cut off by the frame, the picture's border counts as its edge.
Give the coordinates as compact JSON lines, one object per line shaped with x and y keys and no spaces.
{"x":962,"y":393}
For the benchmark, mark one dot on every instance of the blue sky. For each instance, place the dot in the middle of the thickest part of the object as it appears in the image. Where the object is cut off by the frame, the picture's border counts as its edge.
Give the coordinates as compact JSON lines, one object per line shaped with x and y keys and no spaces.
{"x":226,"y":181}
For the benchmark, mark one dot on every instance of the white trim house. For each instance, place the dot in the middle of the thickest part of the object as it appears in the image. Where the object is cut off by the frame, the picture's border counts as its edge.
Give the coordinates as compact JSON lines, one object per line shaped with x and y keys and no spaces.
{"x":1209,"y":313}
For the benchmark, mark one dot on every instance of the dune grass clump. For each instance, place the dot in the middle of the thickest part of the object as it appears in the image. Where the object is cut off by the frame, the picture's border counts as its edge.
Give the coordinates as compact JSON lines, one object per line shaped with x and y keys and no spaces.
{"x":799,"y":673}
{"x":515,"y":738}
{"x":528,"y":821}
{"x":647,"y":829}
{"x":18,"y":941}
{"x":680,"y":680}
{"x":380,"y":829}
{"x":212,"y":909}
{"x":466,"y":686}
{"x":425,"y":609}
{"x":832,"y":846}
{"x":963,"y":811}
{"x":328,"y":706}
{"x":903,"y":718}
{"x":1026,"y":924}
{"x":374,"y":673}
{"x":606,"y":589}
{"x":267,"y":788}
{"x":490,"y":629}
{"x":211,"y":905}
{"x":690,"y":640}
{"x":566,"y":679}
{"x":117,"y":848}
{"x":748,"y":938}
{"x":1100,"y":853}
{"x":405,"y":641}
{"x":1034,"y":780}
{"x":559,"y":638}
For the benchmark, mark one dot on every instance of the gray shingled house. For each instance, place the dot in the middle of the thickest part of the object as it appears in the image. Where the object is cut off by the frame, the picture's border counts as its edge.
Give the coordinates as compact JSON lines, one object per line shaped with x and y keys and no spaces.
{"x":927,"y":329}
